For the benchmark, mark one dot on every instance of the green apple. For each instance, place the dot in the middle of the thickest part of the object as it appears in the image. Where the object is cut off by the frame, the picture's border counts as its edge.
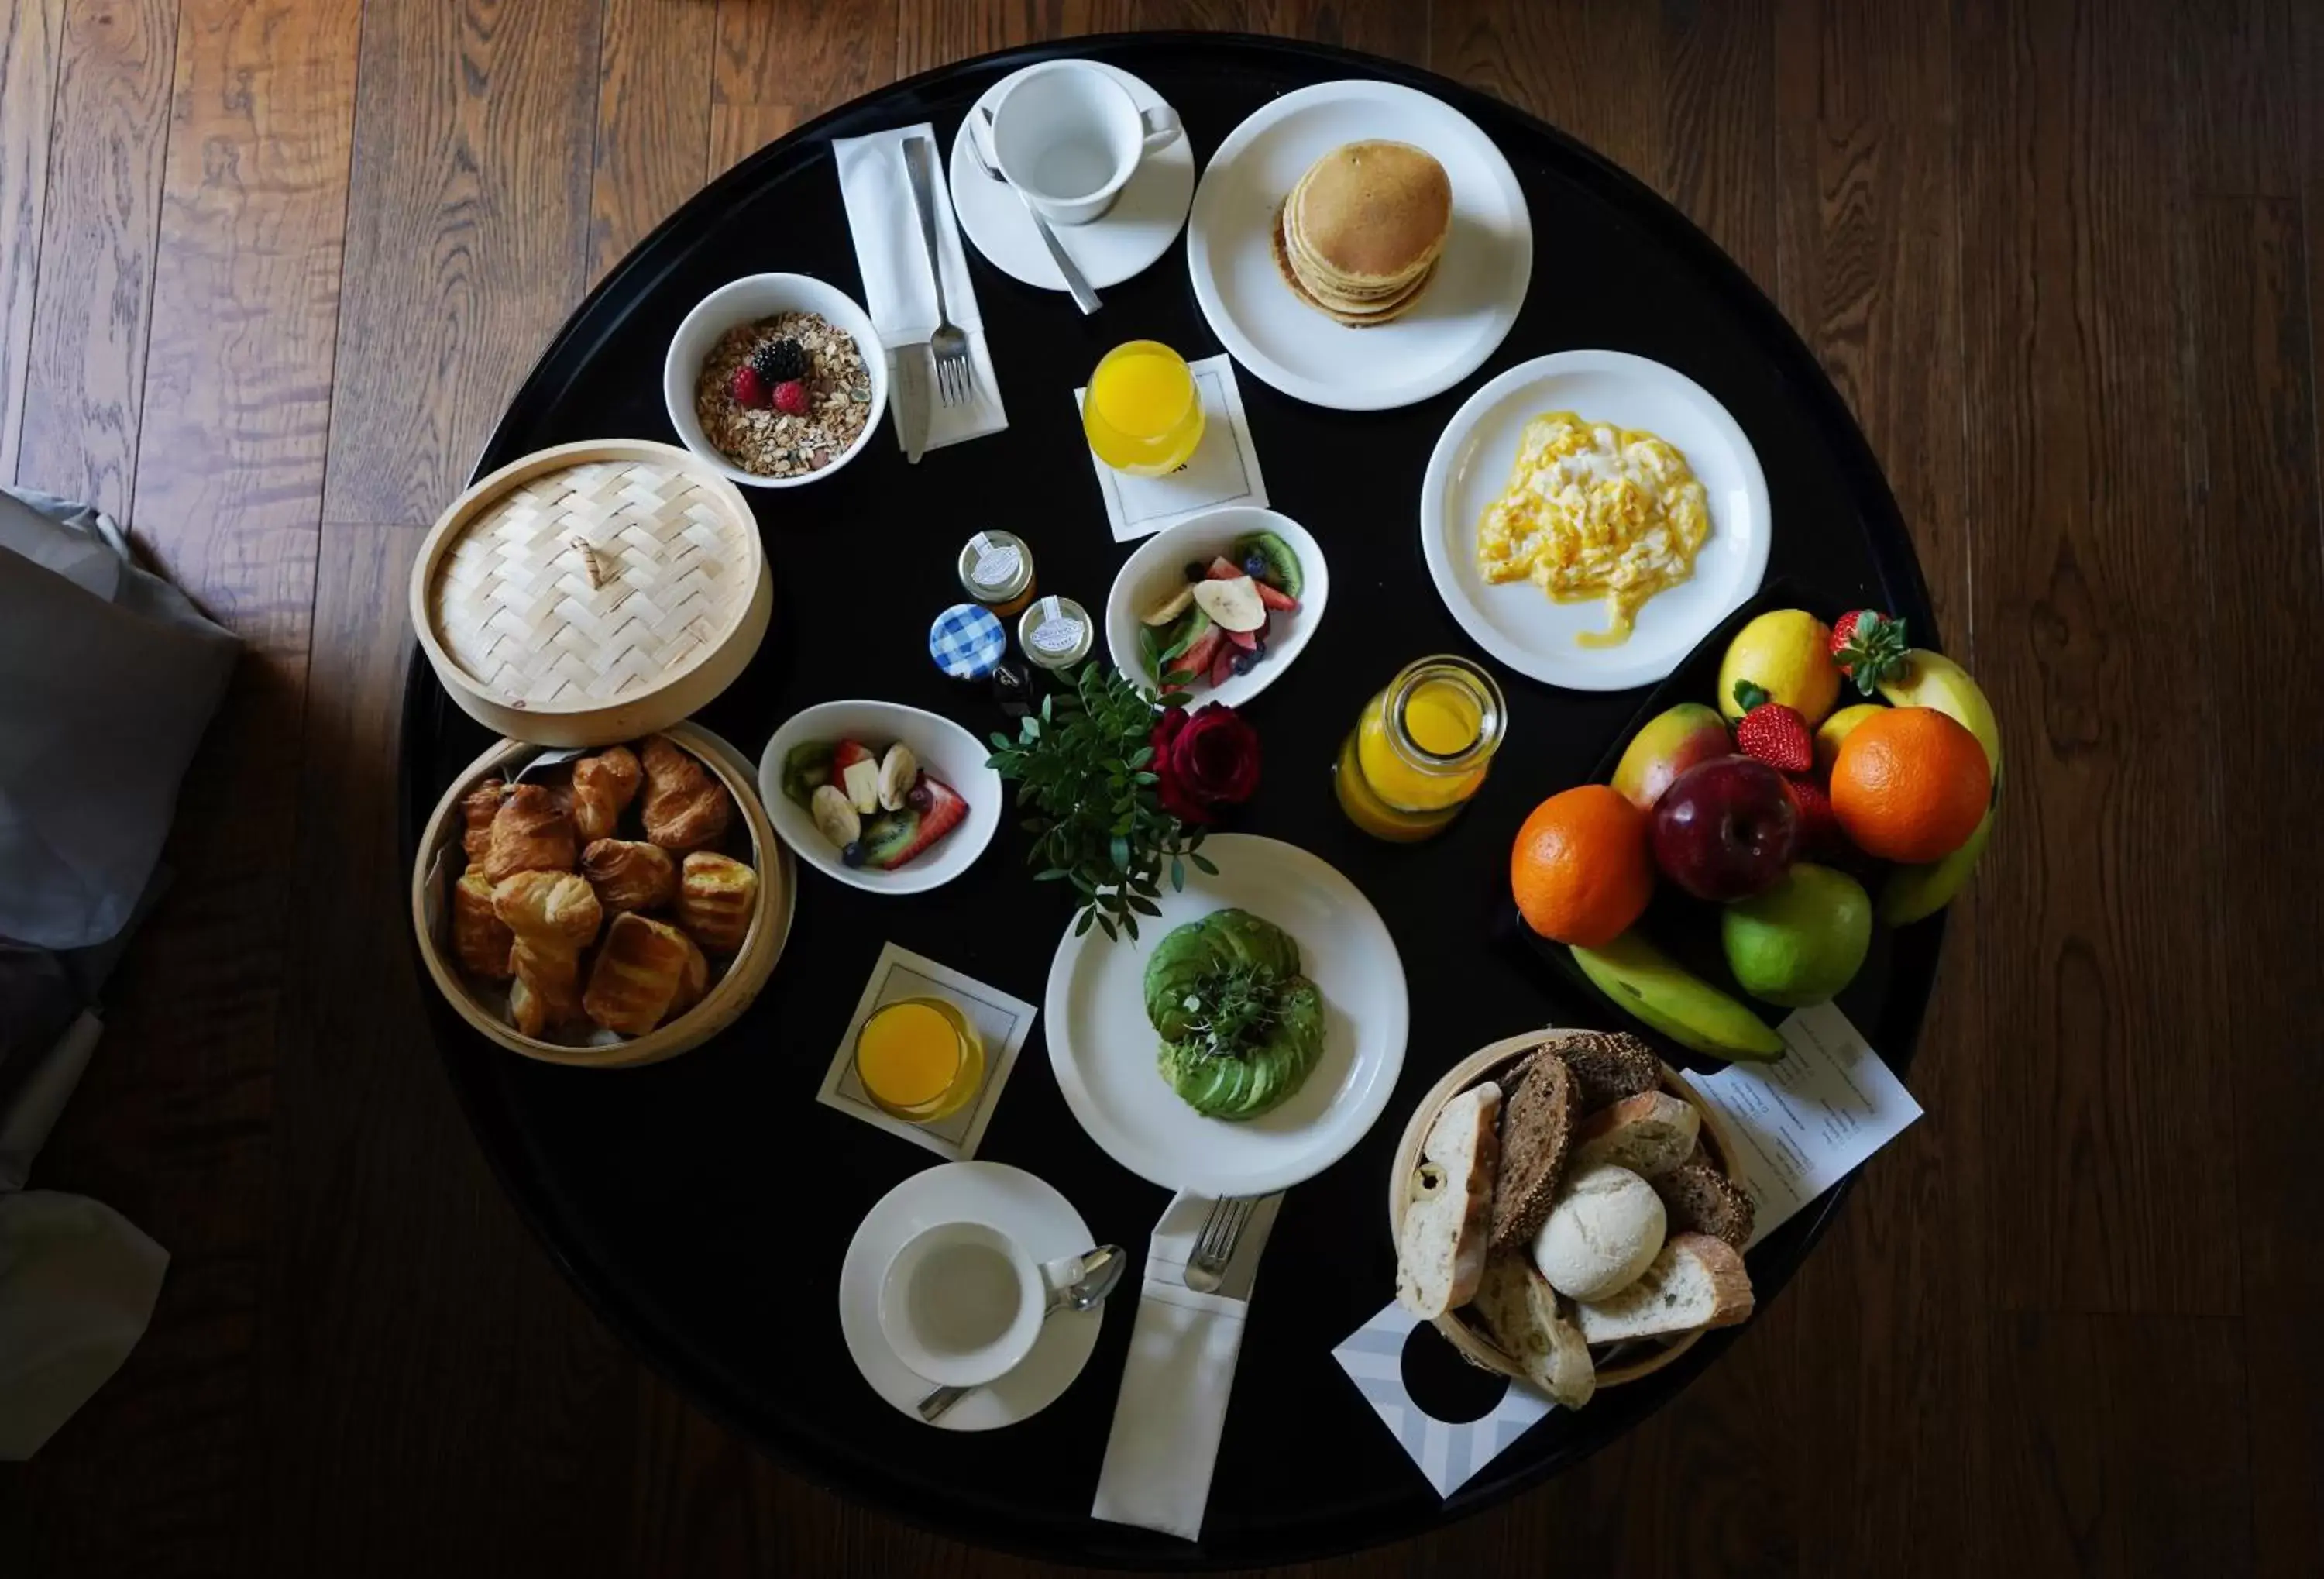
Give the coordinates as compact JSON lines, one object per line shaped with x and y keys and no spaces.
{"x":1666,"y":745}
{"x":1802,"y":940}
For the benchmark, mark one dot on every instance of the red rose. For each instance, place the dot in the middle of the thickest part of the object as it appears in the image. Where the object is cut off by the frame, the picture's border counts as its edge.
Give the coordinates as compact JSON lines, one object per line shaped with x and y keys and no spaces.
{"x":1204,"y":759}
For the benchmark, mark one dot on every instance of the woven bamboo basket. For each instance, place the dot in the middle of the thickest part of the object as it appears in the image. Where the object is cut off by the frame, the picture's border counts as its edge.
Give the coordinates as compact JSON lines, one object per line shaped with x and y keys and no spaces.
{"x":441,"y":860}
{"x":592,"y":593}
{"x":1614,"y":1365}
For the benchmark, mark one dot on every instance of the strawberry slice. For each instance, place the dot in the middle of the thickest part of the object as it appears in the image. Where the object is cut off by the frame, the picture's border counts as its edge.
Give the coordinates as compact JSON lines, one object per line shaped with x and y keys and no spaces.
{"x":1281,"y":601}
{"x":1223,"y":664}
{"x":845,"y":755}
{"x":1224,"y":569}
{"x":1246,"y":639}
{"x":1197,"y":657}
{"x":894,"y":837}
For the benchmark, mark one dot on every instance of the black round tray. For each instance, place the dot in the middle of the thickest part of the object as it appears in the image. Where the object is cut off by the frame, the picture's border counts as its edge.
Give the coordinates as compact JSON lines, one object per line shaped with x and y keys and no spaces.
{"x":702,"y":1204}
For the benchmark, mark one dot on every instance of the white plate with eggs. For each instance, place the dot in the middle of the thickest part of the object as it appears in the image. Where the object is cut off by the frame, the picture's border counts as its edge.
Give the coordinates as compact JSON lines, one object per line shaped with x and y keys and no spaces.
{"x":1518,"y":622}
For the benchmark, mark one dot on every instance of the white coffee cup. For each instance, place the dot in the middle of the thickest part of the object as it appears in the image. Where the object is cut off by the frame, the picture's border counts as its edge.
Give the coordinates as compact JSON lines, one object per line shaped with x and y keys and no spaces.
{"x":1069,"y":137}
{"x":962,"y":1302}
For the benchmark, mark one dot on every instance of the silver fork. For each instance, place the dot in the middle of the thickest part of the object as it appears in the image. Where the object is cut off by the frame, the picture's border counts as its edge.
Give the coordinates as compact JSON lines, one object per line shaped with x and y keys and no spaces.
{"x":1214,"y":1247}
{"x":1077,"y":287}
{"x":955,"y":374}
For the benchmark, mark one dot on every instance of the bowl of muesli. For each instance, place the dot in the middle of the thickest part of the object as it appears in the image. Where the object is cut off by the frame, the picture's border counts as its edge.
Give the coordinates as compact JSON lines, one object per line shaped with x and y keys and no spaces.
{"x":776,"y":380}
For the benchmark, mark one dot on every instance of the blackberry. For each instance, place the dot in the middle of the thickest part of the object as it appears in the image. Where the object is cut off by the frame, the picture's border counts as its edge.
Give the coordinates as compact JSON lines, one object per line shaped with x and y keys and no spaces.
{"x":779,"y":362}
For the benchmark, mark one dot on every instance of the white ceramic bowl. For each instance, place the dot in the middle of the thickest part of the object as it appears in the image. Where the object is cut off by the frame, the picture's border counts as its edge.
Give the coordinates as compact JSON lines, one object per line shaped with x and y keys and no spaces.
{"x":945,"y":752}
{"x":746,"y":300}
{"x":1158,"y":568}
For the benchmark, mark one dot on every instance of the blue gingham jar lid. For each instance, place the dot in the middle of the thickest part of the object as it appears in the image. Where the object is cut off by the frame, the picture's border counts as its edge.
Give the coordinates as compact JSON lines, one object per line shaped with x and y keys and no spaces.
{"x":967,"y":641}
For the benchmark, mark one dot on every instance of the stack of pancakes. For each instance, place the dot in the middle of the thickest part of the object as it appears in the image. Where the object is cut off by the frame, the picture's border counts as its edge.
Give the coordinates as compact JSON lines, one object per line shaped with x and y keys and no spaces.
{"x":1360,"y":236}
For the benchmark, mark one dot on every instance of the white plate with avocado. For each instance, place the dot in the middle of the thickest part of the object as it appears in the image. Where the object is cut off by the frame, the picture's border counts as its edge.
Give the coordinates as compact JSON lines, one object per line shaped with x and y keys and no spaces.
{"x":1107,"y":1053}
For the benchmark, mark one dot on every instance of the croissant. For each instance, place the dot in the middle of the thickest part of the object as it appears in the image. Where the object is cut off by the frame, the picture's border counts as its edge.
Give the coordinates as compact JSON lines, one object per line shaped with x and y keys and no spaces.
{"x":480,"y":939}
{"x":530,"y":833}
{"x":554,"y":916}
{"x":476,"y":810}
{"x":629,"y":874}
{"x":685,"y":806}
{"x":715,"y":897}
{"x":637,"y":973}
{"x":603,"y":788}
{"x":693,"y":981}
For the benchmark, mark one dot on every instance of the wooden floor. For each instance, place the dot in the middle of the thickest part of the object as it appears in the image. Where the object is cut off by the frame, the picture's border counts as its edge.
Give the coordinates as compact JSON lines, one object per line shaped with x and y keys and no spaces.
{"x":269,"y":269}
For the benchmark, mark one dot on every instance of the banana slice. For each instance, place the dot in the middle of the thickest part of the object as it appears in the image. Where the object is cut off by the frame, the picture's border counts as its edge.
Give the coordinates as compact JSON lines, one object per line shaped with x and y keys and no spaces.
{"x":898,"y":771}
{"x":1232,"y":605}
{"x":835,"y":817}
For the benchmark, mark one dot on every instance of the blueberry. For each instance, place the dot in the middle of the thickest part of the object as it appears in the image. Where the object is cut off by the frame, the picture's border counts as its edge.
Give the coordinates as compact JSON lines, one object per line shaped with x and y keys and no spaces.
{"x":1259,"y":651}
{"x":852,"y":853}
{"x":918,"y":799}
{"x":1197,"y":570}
{"x":1255,"y":567}
{"x":1243,"y":660}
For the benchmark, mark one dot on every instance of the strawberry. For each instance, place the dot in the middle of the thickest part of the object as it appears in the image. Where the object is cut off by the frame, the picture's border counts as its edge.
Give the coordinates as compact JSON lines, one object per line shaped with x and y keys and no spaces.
{"x":1222,"y":663}
{"x":1196,"y":659}
{"x":1868,"y":647}
{"x":1224,"y":569}
{"x":748,"y":388}
{"x":1246,"y":639}
{"x":1775,"y":735}
{"x":847,"y":754}
{"x":894,"y":837}
{"x":1281,"y":601}
{"x":790,"y":398}
{"x":1820,"y":831}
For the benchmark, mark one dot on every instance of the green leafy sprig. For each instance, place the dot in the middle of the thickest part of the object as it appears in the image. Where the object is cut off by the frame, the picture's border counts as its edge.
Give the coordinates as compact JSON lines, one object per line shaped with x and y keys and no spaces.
{"x":1083,"y":770}
{"x":1232,"y":1007}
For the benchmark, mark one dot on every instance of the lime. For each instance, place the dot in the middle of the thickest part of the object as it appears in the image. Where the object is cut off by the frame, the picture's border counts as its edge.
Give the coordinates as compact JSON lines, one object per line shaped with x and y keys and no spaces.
{"x":1802,"y":940}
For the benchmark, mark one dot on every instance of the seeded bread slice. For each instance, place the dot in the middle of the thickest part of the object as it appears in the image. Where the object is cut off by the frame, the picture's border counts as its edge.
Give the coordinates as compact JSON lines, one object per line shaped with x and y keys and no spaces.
{"x":1649,"y":1134}
{"x":1697,"y":1281}
{"x":1700,"y":1199}
{"x":1441,"y":1246}
{"x":1520,"y":1313}
{"x":1538,"y":1124}
{"x":1611,"y":1065}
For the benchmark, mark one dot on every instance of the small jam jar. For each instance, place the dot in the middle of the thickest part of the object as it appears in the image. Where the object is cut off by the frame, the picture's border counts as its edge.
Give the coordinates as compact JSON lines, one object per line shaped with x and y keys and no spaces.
{"x":996,"y":569}
{"x":1055,"y":632}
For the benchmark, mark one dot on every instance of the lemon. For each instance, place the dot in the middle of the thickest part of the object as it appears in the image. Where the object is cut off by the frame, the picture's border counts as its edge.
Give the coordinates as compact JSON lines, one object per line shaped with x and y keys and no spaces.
{"x":1835,"y":729}
{"x":1787,"y":653}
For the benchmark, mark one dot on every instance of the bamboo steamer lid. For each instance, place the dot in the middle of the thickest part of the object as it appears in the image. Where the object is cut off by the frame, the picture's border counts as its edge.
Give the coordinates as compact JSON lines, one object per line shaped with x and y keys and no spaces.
{"x":592,"y":593}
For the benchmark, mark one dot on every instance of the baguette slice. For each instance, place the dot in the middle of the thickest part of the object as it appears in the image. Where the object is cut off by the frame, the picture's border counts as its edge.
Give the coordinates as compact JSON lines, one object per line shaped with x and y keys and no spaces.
{"x":1700,"y":1199}
{"x":1650,"y":1135}
{"x":1441,"y":1250}
{"x":1521,"y":1313}
{"x":1611,"y":1065}
{"x":1538,"y":1127}
{"x":1697,"y":1281}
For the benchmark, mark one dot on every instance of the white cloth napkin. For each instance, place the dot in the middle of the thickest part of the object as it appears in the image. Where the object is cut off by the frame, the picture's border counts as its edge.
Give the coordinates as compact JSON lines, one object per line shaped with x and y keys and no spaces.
{"x":1173,"y":1402}
{"x":897,"y":289}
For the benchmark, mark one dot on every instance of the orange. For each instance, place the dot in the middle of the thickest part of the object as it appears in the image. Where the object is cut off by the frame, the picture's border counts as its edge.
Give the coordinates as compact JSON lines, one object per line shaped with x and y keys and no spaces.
{"x":1580,"y":869}
{"x":1910,"y":784}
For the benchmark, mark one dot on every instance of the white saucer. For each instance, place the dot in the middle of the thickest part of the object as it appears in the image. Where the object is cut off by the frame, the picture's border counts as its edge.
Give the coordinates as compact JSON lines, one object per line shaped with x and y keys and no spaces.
{"x":1021,"y":1206}
{"x":1513,"y":621}
{"x":1459,"y":319}
{"x":1136,"y":231}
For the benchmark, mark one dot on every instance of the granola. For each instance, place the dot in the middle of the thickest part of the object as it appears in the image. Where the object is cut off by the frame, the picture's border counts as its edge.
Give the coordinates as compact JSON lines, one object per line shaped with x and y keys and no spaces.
{"x":764,"y":439}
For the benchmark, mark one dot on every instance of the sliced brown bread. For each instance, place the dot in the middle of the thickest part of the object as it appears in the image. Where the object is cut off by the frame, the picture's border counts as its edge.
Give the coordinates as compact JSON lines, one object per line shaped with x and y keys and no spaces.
{"x":1441,"y":1248}
{"x":1611,"y":1065}
{"x":1538,"y":1119}
{"x":1700,"y":1199}
{"x":1697,"y":1281}
{"x":1521,"y":1314}
{"x":1649,"y":1134}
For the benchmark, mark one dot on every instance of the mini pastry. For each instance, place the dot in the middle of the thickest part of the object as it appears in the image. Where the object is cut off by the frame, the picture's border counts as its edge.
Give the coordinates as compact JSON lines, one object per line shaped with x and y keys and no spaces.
{"x":553,"y":915}
{"x":481,"y":940}
{"x":530,"y":833}
{"x":685,"y":806}
{"x":476,"y":810}
{"x":603,"y":788}
{"x":637,"y":975}
{"x":629,"y":874}
{"x":715,"y":896}
{"x":693,"y":981}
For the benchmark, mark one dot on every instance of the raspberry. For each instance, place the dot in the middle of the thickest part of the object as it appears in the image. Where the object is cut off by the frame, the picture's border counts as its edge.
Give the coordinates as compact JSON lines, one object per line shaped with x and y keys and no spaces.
{"x":790,"y":398}
{"x":747,"y":387}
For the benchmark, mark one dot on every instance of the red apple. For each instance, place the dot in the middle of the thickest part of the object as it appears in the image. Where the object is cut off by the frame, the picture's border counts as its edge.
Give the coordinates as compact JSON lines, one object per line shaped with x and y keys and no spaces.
{"x":1666,"y":745}
{"x":1726,"y":829}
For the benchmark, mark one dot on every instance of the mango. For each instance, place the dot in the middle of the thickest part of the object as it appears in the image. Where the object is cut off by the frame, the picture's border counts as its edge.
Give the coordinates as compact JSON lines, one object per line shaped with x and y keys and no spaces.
{"x":1666,"y":745}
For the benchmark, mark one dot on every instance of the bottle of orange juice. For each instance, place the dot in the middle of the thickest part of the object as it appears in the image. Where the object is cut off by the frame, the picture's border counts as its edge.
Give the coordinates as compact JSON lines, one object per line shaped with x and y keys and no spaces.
{"x":920,"y":1059}
{"x":1143,"y":414}
{"x":1420,"y":750}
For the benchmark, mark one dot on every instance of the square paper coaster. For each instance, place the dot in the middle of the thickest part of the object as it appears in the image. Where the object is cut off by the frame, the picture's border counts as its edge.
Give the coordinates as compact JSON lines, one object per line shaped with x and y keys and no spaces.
{"x":1800,"y":1125}
{"x":1002,"y":1021}
{"x":1223,"y":471}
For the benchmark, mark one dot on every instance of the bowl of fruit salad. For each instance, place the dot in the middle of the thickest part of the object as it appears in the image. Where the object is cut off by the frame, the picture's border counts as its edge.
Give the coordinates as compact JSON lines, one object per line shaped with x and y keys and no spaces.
{"x":1225,"y":601}
{"x":886,"y":798}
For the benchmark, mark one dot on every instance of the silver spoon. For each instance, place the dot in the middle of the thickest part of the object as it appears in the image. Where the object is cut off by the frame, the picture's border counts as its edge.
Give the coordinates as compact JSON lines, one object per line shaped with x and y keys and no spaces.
{"x":1102,"y":1268}
{"x":1083,"y":297}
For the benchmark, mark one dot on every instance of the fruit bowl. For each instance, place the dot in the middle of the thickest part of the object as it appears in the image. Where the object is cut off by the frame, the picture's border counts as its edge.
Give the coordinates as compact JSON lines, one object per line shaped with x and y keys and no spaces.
{"x":1159,"y":569}
{"x":746,"y":300}
{"x":945,"y":752}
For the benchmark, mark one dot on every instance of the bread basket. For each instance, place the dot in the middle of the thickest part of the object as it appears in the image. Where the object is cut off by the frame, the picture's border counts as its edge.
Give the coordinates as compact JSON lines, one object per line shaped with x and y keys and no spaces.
{"x":592,"y":593}
{"x":1623,"y":1362}
{"x":440,"y":862}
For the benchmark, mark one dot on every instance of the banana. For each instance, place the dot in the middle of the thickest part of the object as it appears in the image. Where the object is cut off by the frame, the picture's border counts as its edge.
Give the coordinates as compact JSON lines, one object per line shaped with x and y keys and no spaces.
{"x":1930,"y":679}
{"x":1648,"y":983}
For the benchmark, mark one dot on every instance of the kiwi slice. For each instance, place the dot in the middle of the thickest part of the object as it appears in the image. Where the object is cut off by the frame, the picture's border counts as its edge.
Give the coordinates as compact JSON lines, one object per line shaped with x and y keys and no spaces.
{"x":806,"y":769}
{"x":1282,"y":564}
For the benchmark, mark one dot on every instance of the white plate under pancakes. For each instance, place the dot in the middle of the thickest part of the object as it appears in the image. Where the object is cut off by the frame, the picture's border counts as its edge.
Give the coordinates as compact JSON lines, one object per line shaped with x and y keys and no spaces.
{"x":1459,"y":319}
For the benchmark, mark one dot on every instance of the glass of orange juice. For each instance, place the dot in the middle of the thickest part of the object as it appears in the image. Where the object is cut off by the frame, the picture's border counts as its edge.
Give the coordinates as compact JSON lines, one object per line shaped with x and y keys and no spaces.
{"x":1143,"y":414}
{"x":1420,"y":748}
{"x":920,"y":1059}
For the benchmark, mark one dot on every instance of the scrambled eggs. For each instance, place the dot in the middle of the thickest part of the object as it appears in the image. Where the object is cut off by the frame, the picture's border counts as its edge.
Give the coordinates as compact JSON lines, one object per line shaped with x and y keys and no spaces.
{"x":1592,"y":511}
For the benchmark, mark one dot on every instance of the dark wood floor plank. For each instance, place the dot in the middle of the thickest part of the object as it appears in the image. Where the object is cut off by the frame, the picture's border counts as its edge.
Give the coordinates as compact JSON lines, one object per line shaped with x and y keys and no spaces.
{"x":2108,"y":1111}
{"x":654,"y":61}
{"x":2237,"y":95}
{"x":1593,"y":69}
{"x":1719,"y":126}
{"x":87,"y":364}
{"x":29,"y":49}
{"x":467,"y":236}
{"x":1398,"y":29}
{"x":778,"y":62}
